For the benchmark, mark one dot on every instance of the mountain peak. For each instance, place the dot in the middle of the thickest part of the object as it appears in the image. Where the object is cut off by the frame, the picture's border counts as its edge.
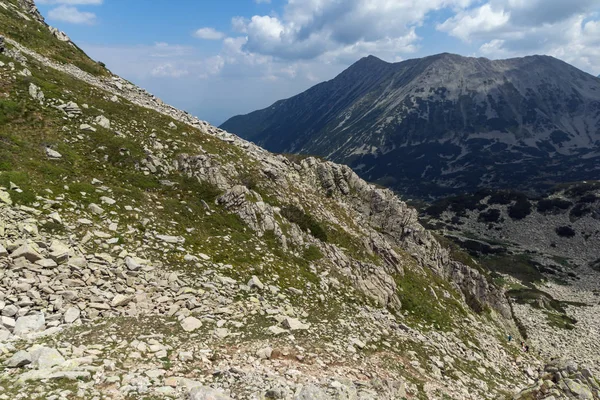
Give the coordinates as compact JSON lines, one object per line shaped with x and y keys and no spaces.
{"x":385,"y":119}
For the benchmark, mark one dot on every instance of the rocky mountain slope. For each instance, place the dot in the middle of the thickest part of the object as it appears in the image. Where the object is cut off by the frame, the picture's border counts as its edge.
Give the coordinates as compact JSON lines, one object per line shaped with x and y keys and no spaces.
{"x":444,"y":124}
{"x":146,"y":254}
{"x":551,"y":244}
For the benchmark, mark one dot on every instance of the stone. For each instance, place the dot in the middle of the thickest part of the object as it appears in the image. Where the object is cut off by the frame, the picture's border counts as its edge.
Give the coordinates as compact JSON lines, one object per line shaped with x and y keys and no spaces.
{"x":171,"y":239}
{"x":3,"y":251}
{"x":275,"y":330}
{"x":19,"y":359}
{"x":191,"y":324}
{"x":45,"y":357}
{"x":102,"y":121}
{"x":53,"y":153}
{"x":55,"y":216}
{"x":120,"y":300}
{"x":96,"y":209}
{"x":579,"y":390}
{"x":35,"y":92}
{"x":28,"y":251}
{"x":185,"y":356}
{"x":172,"y":125}
{"x":206,"y":393}
{"x":255,"y":283}
{"x":108,"y":200}
{"x":264,"y":353}
{"x":72,"y":315}
{"x":8,"y":322}
{"x":294,"y":324}
{"x":310,"y":392}
{"x":133,"y":264}
{"x":5,"y":198}
{"x":222,"y":333}
{"x":29,"y":324}
{"x":87,"y":128}
{"x":10,"y":310}
{"x":47,"y":263}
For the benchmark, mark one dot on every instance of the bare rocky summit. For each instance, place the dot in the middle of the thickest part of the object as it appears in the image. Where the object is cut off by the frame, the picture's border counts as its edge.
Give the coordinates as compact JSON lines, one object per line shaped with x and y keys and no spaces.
{"x":443,"y":124}
{"x":146,"y":254}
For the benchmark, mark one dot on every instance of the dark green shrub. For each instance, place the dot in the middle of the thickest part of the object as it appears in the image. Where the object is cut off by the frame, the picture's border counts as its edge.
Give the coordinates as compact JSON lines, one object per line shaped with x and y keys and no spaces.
{"x":305,"y":221}
{"x":491,"y":215}
{"x":553,"y":205}
{"x":312,"y":253}
{"x":565,"y":231}
{"x":521,"y":209}
{"x":580,"y":210}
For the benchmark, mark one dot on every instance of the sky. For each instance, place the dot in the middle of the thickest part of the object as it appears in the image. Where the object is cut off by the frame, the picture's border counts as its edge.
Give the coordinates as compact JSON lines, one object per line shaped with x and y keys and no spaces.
{"x":219,"y":58}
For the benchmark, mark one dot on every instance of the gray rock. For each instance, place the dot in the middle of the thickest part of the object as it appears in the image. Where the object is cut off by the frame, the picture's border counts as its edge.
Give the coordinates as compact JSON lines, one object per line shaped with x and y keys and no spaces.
{"x":120,"y":300}
{"x":256,"y":283}
{"x":53,"y":153}
{"x":311,"y":392}
{"x":87,"y":128}
{"x":72,"y":315}
{"x":265,"y":353}
{"x":579,"y":390}
{"x":19,"y":359}
{"x":28,"y":251}
{"x":35,"y":92}
{"x":294,"y":324}
{"x":5,"y":197}
{"x":46,"y":357}
{"x":96,"y":209}
{"x":102,"y":121}
{"x":10,"y":310}
{"x":191,"y":324}
{"x":206,"y":393}
{"x":171,"y":239}
{"x":30,"y":324}
{"x":8,"y":322}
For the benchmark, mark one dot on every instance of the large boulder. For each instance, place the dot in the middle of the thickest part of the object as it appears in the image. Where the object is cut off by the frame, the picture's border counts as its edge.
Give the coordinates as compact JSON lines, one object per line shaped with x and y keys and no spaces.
{"x":45,"y":357}
{"x":29,"y":324}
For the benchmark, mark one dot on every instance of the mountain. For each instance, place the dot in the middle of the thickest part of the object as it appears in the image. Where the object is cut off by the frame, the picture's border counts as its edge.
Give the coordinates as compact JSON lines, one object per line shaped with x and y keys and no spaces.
{"x":145,"y":254}
{"x":444,"y":124}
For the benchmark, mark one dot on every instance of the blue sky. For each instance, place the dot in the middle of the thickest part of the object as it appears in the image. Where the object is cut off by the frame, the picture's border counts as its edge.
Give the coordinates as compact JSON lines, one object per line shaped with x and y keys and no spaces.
{"x":217,"y":59}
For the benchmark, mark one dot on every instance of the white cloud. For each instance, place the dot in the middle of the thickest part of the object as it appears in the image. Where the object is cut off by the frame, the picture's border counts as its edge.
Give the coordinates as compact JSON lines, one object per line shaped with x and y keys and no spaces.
{"x":262,"y":1}
{"x":209,"y":34}
{"x":168,"y":70}
{"x":477,"y":21}
{"x":569,"y":30}
{"x":71,"y":15}
{"x":71,"y":2}
{"x":309,"y":29}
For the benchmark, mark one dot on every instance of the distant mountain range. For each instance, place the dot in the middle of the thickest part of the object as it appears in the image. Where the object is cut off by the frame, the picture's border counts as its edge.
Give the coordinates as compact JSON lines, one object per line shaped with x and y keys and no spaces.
{"x":444,"y":124}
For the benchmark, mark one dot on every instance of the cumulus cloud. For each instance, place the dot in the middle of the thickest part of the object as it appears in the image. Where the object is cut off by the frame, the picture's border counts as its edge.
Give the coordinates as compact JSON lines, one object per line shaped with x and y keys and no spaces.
{"x":209,"y":34}
{"x":313,"y":28}
{"x":168,"y":70}
{"x":71,"y":15}
{"x":507,"y":28}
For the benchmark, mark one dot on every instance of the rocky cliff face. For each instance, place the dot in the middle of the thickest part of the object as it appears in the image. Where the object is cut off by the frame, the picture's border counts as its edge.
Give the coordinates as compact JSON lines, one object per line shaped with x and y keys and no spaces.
{"x":443,"y":124}
{"x":145,"y":253}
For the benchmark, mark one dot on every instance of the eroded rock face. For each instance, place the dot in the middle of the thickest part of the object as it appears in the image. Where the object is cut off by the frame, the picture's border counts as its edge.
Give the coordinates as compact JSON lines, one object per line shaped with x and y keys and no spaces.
{"x":30,"y":8}
{"x":254,"y":212}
